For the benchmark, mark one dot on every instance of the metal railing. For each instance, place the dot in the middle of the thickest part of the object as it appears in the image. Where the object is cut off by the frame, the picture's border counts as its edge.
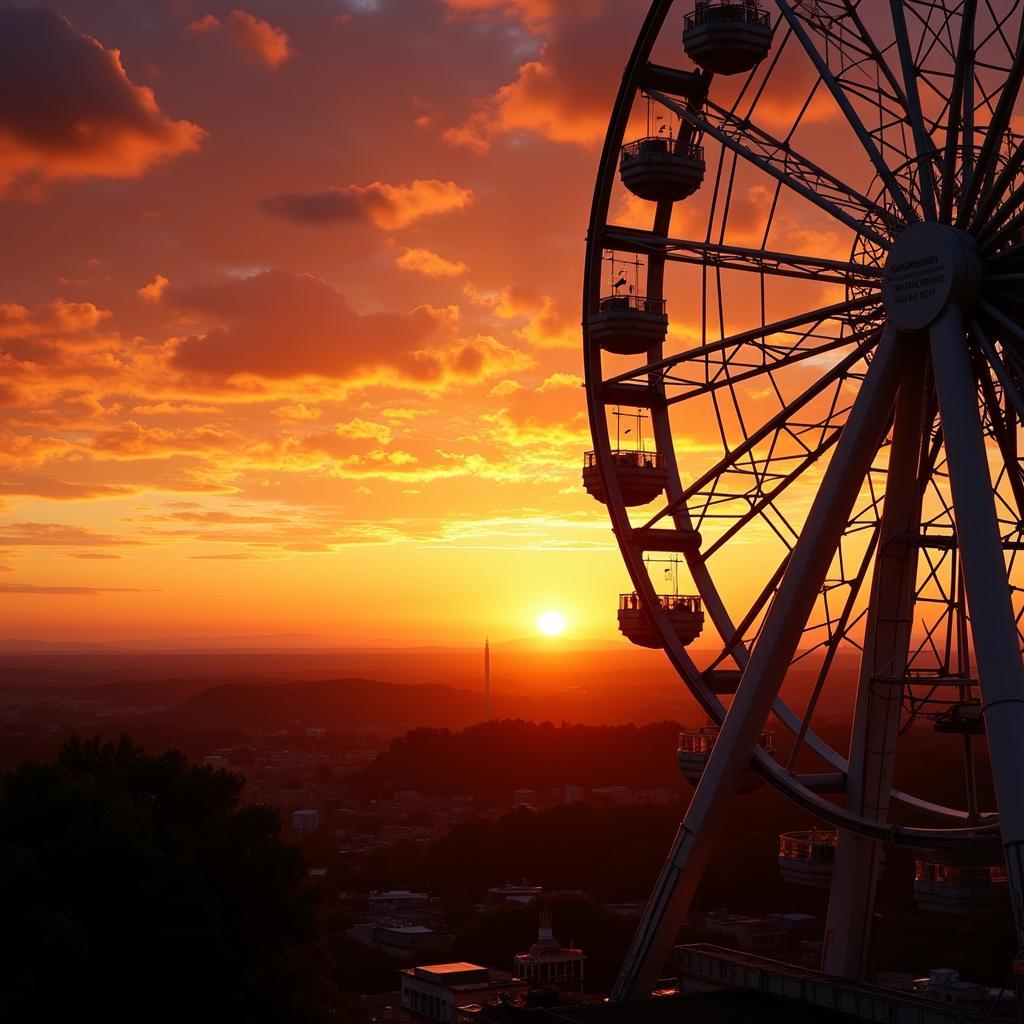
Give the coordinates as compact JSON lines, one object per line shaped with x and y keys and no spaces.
{"x":702,"y":740}
{"x":669,"y":603}
{"x":747,"y":13}
{"x":631,"y":304}
{"x":816,"y":846}
{"x":628,"y":460}
{"x":655,"y":144}
{"x":959,"y":874}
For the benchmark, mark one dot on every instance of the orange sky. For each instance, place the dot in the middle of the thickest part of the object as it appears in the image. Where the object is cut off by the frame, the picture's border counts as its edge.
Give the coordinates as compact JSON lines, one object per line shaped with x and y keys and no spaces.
{"x":288,"y":319}
{"x":289,"y":314}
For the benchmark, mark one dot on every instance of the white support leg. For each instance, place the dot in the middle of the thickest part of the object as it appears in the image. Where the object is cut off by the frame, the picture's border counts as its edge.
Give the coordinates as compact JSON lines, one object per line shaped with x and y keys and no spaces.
{"x":996,"y":643}
{"x":764,"y":673}
{"x":877,"y":714}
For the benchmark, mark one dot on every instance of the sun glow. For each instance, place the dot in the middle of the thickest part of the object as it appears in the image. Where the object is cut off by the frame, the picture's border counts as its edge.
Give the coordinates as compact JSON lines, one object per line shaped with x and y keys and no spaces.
{"x":551,"y":623}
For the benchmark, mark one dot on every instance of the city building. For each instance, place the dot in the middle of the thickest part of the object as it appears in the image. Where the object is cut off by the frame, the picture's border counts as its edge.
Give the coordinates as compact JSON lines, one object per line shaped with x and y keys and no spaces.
{"x":706,"y":968}
{"x":573,"y":794}
{"x":455,"y":992}
{"x":548,"y":963}
{"x":396,"y":938}
{"x":215,"y":761}
{"x":305,"y":821}
{"x":397,"y":899}
{"x":513,"y":893}
{"x":751,"y":934}
{"x":524,"y":798}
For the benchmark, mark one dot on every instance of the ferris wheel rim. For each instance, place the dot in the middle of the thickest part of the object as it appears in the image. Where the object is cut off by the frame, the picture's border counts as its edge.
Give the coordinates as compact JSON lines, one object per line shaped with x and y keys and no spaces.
{"x":786,"y":781}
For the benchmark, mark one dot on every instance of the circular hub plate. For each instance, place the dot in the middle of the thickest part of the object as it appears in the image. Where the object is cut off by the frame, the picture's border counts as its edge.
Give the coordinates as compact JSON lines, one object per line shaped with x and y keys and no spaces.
{"x":930,"y":267}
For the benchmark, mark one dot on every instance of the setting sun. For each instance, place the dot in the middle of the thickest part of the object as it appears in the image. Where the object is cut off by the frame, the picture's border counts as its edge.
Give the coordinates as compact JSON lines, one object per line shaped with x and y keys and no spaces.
{"x":551,"y":623}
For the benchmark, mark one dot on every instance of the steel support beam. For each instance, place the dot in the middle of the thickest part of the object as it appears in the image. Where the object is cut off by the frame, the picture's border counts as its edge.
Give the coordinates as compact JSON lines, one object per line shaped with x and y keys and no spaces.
{"x":877,"y":714}
{"x":763,"y":675}
{"x":996,"y":643}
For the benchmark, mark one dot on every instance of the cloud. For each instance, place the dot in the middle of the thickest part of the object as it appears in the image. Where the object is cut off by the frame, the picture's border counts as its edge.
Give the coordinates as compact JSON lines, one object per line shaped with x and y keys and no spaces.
{"x":20,"y":535}
{"x":152,"y":291}
{"x":545,"y":323}
{"x":258,"y":38}
{"x":35,"y":486}
{"x":390,"y":207}
{"x":423,"y":261}
{"x":69,"y":110}
{"x":534,"y":14}
{"x":565,"y":93}
{"x":279,"y":325}
{"x":34,"y":588}
{"x":50,"y":319}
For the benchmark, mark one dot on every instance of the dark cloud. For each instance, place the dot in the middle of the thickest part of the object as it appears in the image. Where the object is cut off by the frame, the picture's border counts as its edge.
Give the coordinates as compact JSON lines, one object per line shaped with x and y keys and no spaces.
{"x":68,"y":108}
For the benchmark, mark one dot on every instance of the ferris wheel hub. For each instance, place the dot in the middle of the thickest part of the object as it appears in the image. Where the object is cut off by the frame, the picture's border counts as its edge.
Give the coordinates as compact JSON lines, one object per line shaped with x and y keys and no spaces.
{"x":930,"y":267}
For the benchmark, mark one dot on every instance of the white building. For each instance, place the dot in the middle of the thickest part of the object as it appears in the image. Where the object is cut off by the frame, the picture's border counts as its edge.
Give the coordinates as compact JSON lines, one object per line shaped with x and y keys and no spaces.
{"x":513,"y":893}
{"x":305,"y":821}
{"x":439,"y":991}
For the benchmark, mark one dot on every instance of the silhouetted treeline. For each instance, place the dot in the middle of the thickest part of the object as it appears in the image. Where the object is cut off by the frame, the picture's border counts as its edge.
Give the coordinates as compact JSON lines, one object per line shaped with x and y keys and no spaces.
{"x":136,"y":887}
{"x":491,"y":760}
{"x":343,"y":703}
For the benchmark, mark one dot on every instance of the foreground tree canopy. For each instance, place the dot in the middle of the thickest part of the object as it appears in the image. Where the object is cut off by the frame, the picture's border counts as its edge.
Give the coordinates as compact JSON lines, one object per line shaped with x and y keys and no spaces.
{"x":136,"y":886}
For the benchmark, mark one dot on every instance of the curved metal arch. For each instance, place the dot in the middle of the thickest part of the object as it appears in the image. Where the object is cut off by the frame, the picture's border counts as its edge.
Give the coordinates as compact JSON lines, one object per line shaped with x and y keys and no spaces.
{"x":635,"y":78}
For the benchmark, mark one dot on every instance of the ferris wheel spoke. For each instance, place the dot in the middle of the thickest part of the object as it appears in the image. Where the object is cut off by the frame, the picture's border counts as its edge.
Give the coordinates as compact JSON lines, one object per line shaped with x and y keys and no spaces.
{"x":736,"y":257}
{"x":781,"y":161}
{"x":876,"y":55}
{"x":733,"y":371}
{"x":896,"y":191}
{"x":776,"y":331}
{"x":923,"y":141}
{"x":842,"y":625}
{"x":999,"y":368}
{"x":997,"y":650}
{"x":955,"y":132}
{"x":1005,"y":437}
{"x":975,"y":202}
{"x":777,"y":422}
{"x":761,"y":500}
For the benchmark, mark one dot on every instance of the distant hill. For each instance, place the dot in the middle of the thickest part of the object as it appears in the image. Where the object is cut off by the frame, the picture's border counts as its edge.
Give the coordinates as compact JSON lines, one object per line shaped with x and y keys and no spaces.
{"x":493,"y":758}
{"x":344,"y":703}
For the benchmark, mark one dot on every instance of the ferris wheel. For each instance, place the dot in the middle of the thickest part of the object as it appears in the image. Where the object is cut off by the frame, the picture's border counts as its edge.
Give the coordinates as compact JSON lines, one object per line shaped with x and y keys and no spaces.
{"x":803,"y":275}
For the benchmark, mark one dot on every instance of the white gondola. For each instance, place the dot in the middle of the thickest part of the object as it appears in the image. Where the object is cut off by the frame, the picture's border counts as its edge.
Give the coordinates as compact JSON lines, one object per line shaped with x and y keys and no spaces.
{"x":629,"y":325}
{"x":684,"y":612}
{"x":642,"y":476}
{"x":695,"y":746}
{"x":942,"y":886}
{"x":807,"y":858}
{"x":662,"y":170}
{"x":728,"y":38}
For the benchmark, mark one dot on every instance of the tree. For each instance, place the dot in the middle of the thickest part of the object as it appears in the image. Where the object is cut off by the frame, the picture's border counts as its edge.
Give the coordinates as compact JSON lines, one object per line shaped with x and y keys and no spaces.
{"x":137,"y":887}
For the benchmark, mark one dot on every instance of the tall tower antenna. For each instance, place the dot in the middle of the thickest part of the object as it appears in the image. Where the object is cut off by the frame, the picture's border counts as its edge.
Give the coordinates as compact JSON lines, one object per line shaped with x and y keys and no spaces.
{"x":487,"y":679}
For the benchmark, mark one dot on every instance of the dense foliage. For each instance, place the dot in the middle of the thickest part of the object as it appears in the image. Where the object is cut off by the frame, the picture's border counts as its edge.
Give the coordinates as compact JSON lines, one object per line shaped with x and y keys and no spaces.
{"x":135,"y":887}
{"x":493,"y":759}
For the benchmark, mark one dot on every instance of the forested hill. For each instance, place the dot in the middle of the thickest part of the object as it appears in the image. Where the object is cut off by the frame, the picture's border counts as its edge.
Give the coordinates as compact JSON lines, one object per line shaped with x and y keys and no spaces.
{"x":495,"y":758}
{"x":344,"y":703}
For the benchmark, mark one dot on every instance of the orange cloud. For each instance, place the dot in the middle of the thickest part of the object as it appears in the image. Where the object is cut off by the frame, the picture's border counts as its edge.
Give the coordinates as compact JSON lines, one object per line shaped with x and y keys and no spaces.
{"x":534,"y":14}
{"x":390,"y":207}
{"x":547,"y":323}
{"x":152,"y":291}
{"x":423,"y":261}
{"x":68,"y":109}
{"x":258,"y":38}
{"x":565,"y":94}
{"x":250,"y":317}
